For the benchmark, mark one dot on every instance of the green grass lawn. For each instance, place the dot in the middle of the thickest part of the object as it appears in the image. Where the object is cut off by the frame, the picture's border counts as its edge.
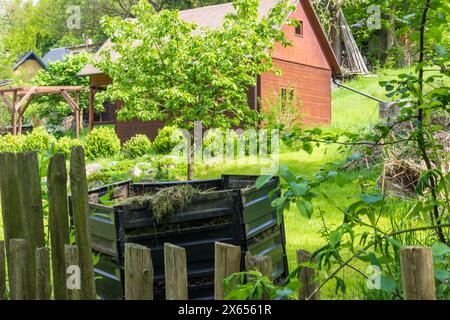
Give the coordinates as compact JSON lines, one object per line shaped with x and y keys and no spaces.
{"x":350,"y":111}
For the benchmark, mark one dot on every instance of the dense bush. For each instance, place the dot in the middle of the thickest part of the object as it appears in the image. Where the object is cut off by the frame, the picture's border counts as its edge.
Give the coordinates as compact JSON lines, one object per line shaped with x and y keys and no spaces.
{"x":38,"y":140}
{"x":102,"y":142}
{"x":164,"y":143}
{"x":64,"y":145}
{"x":10,"y":143}
{"x":137,"y":146}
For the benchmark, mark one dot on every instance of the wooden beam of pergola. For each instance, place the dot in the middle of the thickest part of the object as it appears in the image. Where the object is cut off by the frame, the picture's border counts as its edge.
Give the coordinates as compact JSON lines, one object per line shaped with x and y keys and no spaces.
{"x":26,"y":94}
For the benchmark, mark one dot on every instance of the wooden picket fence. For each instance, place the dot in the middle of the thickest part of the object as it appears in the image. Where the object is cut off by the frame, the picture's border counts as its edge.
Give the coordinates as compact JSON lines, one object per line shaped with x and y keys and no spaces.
{"x":35,"y":271}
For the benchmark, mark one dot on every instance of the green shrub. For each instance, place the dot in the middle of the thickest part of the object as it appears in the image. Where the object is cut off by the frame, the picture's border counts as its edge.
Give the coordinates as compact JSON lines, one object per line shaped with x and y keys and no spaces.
{"x":163,"y":143}
{"x":102,"y":142}
{"x":38,"y":140}
{"x":10,"y":143}
{"x":137,"y":146}
{"x":65,"y":144}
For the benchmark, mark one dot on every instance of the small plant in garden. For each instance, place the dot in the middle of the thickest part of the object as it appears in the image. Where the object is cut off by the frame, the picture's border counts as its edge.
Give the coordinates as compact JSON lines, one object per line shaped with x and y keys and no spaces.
{"x":164,"y":141}
{"x":137,"y":146}
{"x":64,"y":145}
{"x":38,"y":140}
{"x":102,"y":142}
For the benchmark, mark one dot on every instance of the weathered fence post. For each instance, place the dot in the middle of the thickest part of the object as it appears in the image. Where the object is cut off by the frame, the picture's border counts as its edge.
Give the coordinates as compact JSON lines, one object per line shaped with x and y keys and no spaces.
{"x":43,"y":279}
{"x":227,"y":262}
{"x":176,"y":279}
{"x":19,"y":285}
{"x":2,"y":271}
{"x":80,"y":209}
{"x":306,"y":277}
{"x":32,"y":210}
{"x":58,"y":221}
{"x":417,"y":273}
{"x":73,"y":282}
{"x":262,"y":264}
{"x":10,"y":202}
{"x":138,"y":272}
{"x":22,"y":205}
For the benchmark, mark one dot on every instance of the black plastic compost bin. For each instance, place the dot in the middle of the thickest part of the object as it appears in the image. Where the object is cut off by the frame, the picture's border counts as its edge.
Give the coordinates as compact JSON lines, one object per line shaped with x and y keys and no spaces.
{"x":232,"y":211}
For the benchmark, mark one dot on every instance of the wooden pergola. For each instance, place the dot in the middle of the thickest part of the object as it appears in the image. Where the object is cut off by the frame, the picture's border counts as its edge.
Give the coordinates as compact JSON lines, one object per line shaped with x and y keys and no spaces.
{"x":17,"y":100}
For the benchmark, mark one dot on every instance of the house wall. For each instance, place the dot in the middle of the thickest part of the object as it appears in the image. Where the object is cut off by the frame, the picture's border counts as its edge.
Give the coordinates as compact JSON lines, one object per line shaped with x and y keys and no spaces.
{"x":28,"y":69}
{"x":305,"y":69}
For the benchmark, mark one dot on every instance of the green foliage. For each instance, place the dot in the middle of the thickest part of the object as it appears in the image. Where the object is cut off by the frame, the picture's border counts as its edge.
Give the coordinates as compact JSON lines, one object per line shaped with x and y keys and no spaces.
{"x":181,"y":73}
{"x":137,"y":146}
{"x":166,"y":140}
{"x":64,"y":145}
{"x":102,"y":142}
{"x":38,"y":140}
{"x":10,"y":143}
{"x":60,"y":73}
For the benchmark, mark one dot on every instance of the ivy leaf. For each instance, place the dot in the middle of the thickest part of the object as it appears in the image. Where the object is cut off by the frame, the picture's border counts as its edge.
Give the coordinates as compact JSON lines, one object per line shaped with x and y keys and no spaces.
{"x":287,"y":174}
{"x":305,"y":208}
{"x":299,"y":189}
{"x":442,"y":275}
{"x":440,"y":249}
{"x":308,"y":148}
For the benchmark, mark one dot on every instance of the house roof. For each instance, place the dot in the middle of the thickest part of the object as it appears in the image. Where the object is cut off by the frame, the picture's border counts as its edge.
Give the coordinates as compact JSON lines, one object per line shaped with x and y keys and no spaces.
{"x":30,"y":55}
{"x":57,"y":54}
{"x":212,"y":17}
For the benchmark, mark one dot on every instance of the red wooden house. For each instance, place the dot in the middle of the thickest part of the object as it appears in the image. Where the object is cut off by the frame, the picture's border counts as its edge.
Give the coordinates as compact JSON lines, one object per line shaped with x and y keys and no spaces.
{"x":308,"y":67}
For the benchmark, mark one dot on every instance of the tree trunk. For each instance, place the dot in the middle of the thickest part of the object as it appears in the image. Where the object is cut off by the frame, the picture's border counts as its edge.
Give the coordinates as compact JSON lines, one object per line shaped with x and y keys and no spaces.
{"x":335,"y":30}
{"x":387,"y":39}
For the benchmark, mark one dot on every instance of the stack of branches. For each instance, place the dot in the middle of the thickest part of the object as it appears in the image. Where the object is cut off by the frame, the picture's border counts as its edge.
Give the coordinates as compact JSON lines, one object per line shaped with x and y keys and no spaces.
{"x":403,"y":167}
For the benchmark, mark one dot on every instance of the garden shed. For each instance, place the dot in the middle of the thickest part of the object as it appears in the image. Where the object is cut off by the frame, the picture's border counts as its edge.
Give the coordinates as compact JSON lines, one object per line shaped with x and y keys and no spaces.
{"x":308,"y":67}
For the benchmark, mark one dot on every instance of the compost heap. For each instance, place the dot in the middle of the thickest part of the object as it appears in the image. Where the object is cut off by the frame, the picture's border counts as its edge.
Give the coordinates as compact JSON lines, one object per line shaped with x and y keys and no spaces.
{"x":165,"y":201}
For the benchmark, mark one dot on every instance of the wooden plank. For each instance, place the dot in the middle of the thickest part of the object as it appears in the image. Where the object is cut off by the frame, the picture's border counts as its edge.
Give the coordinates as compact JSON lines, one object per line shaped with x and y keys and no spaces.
{"x":227,"y":261}
{"x":10,"y":202}
{"x":21,"y":91}
{"x":2,"y":271}
{"x":32,"y":214}
{"x":138,"y":273}
{"x":80,"y":209}
{"x":175,"y":272}
{"x":307,"y":277}
{"x":263,"y":264}
{"x":24,"y":99}
{"x":19,"y":286}
{"x":69,"y":100}
{"x":43,"y":278}
{"x":417,"y":273}
{"x":58,"y":221}
{"x":8,"y":103}
{"x":73,"y":273}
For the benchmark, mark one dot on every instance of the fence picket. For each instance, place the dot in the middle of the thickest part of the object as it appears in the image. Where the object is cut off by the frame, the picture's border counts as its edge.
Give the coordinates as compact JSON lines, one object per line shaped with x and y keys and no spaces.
{"x":175,"y":266}
{"x":138,"y":273}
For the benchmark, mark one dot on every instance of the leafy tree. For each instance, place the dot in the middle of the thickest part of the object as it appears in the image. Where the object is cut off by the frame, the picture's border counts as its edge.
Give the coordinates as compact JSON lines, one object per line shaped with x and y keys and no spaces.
{"x":177,"y":72}
{"x":60,"y":73}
